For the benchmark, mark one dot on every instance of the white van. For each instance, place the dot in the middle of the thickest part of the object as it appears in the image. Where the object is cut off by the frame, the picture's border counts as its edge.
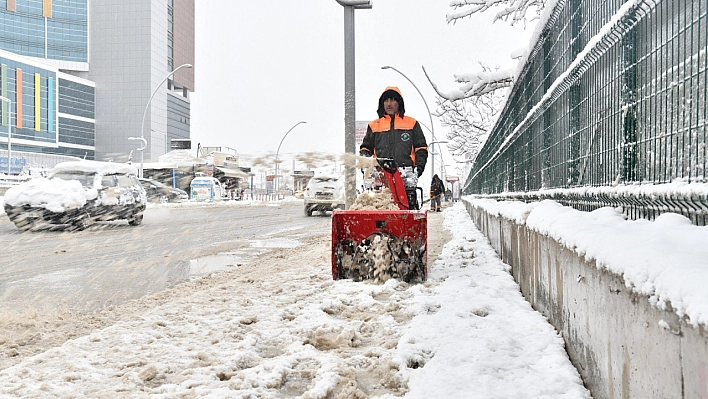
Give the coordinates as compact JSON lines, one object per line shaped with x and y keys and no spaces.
{"x":323,"y":193}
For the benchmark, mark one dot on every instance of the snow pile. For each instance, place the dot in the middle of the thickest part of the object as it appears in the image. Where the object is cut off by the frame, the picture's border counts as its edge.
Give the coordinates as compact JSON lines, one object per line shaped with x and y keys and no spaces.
{"x":663,"y":259}
{"x":56,"y":195}
{"x":370,"y":200}
{"x":280,"y":327}
{"x":472,"y":324}
{"x":677,"y":189}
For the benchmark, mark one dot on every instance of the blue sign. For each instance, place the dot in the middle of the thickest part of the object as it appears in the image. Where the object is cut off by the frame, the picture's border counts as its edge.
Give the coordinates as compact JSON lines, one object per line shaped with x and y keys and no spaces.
{"x":16,"y":164}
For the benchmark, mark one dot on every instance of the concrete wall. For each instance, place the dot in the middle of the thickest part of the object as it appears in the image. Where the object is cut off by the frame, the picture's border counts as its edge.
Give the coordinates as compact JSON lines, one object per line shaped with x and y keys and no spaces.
{"x":623,"y":346}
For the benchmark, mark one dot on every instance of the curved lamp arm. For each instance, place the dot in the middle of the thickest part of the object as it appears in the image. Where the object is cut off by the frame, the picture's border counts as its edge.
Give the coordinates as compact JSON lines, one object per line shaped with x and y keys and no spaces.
{"x":155,"y":92}
{"x":356,"y":3}
{"x":281,"y":140}
{"x":140,"y":139}
{"x":142,"y":124}
{"x":277,"y":153}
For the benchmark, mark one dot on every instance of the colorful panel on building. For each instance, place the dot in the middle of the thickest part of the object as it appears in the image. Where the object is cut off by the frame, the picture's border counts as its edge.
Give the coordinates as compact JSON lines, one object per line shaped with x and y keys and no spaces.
{"x":33,"y":90}
{"x":51,"y":89}
{"x":18,"y":97}
{"x":37,"y":102}
{"x":47,"y":8}
{"x":4,"y":113}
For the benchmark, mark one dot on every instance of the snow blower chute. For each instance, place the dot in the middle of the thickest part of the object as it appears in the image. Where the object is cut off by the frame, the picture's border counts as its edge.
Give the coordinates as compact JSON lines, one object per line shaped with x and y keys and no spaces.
{"x":382,"y":244}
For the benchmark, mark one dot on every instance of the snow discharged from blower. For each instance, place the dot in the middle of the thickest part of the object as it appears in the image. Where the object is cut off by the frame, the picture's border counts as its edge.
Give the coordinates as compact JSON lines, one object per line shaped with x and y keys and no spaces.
{"x":370,"y":200}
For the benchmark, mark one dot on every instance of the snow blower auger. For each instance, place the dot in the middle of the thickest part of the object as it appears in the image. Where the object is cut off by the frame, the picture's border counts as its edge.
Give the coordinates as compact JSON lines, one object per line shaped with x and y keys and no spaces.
{"x":382,"y":244}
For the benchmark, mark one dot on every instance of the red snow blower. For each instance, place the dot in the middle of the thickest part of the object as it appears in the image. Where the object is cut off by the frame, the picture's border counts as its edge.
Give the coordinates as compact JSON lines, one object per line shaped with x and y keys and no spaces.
{"x":382,"y":244}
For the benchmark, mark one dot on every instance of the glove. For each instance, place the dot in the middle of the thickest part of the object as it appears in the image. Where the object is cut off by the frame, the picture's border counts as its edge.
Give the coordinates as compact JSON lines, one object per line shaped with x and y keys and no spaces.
{"x":419,"y":170}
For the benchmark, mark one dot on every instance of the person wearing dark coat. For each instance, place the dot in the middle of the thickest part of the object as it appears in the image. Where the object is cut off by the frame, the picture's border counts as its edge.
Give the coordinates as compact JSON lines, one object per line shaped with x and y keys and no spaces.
{"x":395,"y":135}
{"x":437,"y":189}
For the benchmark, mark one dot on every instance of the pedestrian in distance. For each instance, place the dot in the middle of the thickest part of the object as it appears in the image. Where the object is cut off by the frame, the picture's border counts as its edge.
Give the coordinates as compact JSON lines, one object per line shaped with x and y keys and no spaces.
{"x":437,"y":189}
{"x":396,"y":136}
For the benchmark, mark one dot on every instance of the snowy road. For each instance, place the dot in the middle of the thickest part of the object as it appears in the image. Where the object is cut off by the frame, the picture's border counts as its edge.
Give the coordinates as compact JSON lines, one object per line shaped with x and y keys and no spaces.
{"x":279,"y":327}
{"x":133,"y":261}
{"x":52,"y":276}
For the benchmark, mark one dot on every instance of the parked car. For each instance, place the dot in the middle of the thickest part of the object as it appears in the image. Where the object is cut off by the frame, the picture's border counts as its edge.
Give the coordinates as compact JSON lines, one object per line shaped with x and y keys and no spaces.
{"x":323,"y":193}
{"x":162,"y":193}
{"x":76,"y":194}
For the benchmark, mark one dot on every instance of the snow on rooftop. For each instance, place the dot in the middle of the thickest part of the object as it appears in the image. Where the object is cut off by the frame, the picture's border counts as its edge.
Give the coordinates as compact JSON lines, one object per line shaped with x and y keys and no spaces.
{"x":96,"y":167}
{"x":180,"y":157}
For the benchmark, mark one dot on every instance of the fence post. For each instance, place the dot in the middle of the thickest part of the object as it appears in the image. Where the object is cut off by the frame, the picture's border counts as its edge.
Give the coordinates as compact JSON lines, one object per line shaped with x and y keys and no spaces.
{"x":546,"y":128}
{"x":574,"y":98}
{"x":629,"y":105}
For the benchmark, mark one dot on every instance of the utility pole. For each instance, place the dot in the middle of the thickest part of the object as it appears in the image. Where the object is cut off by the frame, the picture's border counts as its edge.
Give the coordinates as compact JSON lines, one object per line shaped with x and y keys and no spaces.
{"x":349,"y":94}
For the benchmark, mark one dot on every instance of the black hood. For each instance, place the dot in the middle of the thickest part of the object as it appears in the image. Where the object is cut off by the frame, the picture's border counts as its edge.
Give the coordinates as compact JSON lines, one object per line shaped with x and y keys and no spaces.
{"x":391,"y":92}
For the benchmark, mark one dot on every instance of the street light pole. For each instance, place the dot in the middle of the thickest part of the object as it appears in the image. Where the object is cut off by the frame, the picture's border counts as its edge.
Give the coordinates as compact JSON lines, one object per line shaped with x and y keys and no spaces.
{"x":275,"y":179}
{"x":9,"y":133}
{"x":142,"y":125}
{"x":141,"y":139}
{"x":349,"y":95}
{"x":432,"y":127}
{"x":432,"y":143}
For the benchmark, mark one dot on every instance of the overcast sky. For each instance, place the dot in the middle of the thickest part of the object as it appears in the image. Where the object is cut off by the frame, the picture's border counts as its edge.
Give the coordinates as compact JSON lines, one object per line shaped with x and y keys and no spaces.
{"x":261,"y":67}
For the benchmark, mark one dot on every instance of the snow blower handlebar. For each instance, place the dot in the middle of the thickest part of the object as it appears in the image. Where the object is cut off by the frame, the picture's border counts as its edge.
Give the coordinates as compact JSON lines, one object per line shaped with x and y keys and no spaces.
{"x":387,"y":164}
{"x":394,"y":182}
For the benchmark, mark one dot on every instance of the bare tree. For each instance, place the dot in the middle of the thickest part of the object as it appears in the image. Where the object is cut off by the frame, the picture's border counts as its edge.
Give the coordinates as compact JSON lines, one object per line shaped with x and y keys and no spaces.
{"x":514,"y":10}
{"x":471,"y":111}
{"x":469,"y":121}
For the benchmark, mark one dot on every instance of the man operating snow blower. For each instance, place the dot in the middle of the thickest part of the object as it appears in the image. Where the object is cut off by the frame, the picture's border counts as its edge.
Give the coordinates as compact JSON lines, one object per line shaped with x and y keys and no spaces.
{"x":398,"y":137}
{"x":382,"y":244}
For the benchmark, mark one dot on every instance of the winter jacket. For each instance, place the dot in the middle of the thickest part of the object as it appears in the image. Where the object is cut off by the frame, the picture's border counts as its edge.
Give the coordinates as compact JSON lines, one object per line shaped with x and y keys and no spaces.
{"x":399,"y":138}
{"x":436,"y":187}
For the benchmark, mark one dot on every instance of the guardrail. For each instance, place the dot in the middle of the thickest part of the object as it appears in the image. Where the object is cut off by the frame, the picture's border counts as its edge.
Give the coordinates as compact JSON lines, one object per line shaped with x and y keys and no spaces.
{"x":612,"y":93}
{"x":635,"y":201}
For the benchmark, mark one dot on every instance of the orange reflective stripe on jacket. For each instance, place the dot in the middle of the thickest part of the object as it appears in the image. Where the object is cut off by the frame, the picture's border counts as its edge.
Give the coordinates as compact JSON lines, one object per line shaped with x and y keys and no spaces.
{"x":384,"y":124}
{"x":399,"y":138}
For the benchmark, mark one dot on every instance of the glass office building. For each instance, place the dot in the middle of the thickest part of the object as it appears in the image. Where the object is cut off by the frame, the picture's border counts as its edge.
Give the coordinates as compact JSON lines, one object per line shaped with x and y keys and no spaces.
{"x":51,"y":113}
{"x":55,"y":30}
{"x":46,"y":48}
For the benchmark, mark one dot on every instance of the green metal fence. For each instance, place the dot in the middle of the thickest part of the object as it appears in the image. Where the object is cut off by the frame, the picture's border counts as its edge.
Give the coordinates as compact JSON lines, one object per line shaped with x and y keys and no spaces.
{"x":613,"y":93}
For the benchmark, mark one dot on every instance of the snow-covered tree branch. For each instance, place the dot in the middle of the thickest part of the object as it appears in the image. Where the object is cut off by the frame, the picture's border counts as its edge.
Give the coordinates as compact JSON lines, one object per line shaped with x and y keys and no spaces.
{"x":469,"y":121}
{"x":471,"y":111}
{"x":476,"y":84}
{"x":513,"y":11}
